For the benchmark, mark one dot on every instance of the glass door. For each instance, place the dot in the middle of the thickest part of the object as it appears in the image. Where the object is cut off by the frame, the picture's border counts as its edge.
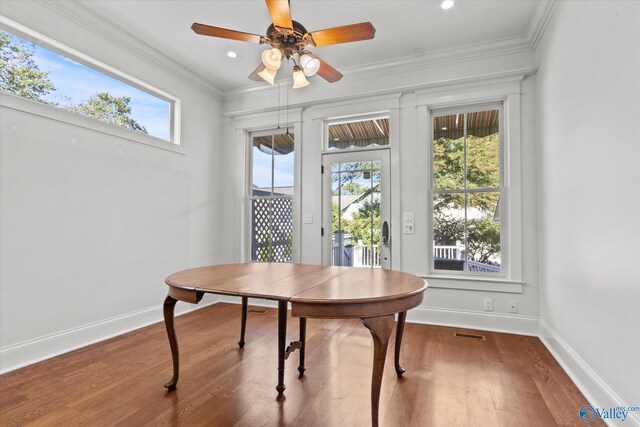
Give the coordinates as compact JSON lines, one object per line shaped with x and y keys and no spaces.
{"x":356,"y":209}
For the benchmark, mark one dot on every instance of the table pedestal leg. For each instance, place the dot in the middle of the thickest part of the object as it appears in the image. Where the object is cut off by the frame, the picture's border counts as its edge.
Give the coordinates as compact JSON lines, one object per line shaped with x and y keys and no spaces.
{"x":168,"y":309}
{"x":380,"y":328}
{"x":243,"y":323}
{"x":303,"y":335}
{"x":282,"y":338}
{"x":401,"y":318}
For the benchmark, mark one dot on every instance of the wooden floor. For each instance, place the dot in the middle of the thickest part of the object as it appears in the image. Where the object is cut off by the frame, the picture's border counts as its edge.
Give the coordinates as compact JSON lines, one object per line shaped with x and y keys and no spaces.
{"x":505,"y":380}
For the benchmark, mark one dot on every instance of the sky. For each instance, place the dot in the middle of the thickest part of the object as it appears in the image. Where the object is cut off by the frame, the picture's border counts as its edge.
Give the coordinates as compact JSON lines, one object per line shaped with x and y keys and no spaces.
{"x":78,"y":83}
{"x":282,"y":169}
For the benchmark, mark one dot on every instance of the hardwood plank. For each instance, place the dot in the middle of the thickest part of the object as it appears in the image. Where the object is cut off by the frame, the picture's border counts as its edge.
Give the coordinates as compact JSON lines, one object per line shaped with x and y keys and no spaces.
{"x":505,"y":380}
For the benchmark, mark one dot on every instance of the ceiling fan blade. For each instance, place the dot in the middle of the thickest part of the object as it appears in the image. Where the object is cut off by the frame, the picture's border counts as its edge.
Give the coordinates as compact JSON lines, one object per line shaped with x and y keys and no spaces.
{"x":280,"y":13}
{"x":348,"y":33}
{"x":326,"y":71}
{"x":208,"y":30}
{"x":255,"y":76}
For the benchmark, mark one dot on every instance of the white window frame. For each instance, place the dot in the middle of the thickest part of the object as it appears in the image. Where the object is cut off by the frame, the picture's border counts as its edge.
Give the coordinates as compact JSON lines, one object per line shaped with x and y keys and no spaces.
{"x":62,"y":115}
{"x":492,"y":91}
{"x":502,"y":189}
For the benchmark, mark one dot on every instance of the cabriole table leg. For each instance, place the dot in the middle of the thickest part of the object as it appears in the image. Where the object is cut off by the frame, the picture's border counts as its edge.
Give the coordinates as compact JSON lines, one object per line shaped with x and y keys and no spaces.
{"x":168,"y":309}
{"x":399,"y":331}
{"x":380,"y":328}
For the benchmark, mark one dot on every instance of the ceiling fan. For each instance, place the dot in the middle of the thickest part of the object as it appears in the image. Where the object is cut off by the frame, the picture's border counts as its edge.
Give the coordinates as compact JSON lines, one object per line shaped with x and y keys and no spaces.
{"x":289,"y":39}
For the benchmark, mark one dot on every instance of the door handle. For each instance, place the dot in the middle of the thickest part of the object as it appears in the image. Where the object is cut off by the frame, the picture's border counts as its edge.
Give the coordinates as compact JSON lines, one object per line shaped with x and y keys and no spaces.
{"x":385,"y":234}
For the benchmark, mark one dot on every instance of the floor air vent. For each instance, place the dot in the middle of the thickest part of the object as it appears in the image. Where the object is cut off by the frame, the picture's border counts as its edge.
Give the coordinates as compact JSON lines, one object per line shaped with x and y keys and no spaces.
{"x":470,"y":336}
{"x":256,"y":311}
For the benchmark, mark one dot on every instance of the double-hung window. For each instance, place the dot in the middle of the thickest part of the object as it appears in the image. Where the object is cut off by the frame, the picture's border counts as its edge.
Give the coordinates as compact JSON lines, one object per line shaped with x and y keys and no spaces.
{"x":467,"y":189}
{"x":271,"y":196}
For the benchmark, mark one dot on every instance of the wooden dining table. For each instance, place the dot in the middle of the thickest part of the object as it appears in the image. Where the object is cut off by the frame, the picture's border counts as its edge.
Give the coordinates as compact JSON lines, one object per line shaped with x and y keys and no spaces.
{"x":314,"y":291}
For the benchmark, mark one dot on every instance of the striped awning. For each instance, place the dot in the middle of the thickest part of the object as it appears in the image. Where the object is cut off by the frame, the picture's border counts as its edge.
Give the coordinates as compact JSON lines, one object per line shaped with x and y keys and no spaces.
{"x":282,"y":143}
{"x":359,"y":134}
{"x":481,"y":123}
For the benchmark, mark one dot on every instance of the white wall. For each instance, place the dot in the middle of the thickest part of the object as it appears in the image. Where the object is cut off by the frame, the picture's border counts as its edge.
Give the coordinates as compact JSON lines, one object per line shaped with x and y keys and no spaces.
{"x":396,"y":91}
{"x":92,"y":223}
{"x":588,"y":99}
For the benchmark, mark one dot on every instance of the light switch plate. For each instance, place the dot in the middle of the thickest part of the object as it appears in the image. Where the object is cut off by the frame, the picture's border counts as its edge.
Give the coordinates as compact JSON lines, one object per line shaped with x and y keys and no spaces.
{"x":307,"y":218}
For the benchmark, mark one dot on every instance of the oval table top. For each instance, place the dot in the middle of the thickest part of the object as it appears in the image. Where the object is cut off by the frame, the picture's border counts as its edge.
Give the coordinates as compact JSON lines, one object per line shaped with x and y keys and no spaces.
{"x":312,"y":290}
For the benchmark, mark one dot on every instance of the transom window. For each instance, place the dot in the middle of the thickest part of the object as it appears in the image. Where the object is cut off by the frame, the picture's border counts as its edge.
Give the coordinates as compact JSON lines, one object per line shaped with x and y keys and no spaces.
{"x":467,"y":190}
{"x":364,"y":133}
{"x":62,"y":80}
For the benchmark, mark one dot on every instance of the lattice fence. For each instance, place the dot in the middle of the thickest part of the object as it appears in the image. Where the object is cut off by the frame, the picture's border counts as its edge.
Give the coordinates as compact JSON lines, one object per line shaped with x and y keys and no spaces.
{"x":271,"y":229}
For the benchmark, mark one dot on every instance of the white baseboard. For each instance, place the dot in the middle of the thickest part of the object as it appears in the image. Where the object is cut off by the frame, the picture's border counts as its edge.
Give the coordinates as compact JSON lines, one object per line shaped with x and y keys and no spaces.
{"x":522,"y":325}
{"x":28,"y":352}
{"x":597,"y":392}
{"x":494,"y":322}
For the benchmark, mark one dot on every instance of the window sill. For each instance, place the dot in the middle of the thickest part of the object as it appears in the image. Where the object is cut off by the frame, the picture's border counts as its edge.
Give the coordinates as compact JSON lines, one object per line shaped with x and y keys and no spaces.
{"x":474,"y":283}
{"x":64,"y":116}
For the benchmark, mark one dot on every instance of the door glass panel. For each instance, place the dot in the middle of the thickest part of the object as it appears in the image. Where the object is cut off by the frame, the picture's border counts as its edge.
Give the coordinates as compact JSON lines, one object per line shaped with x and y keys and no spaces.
{"x":356,"y":226}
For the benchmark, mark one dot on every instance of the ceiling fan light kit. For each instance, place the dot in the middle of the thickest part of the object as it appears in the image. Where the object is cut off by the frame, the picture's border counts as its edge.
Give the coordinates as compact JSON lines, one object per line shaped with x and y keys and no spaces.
{"x":268,"y":75}
{"x":289,"y":39}
{"x":310,"y":65}
{"x":299,"y":80}
{"x":272,"y":58}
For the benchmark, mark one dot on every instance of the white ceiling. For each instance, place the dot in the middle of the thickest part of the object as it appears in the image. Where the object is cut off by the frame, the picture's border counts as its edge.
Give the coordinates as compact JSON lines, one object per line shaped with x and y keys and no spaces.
{"x":403,"y":29}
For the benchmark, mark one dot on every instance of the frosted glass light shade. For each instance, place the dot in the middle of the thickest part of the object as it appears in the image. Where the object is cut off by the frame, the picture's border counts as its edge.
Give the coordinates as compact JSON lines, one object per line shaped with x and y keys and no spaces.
{"x":268,"y":75}
{"x":272,"y":58}
{"x":299,"y":80}
{"x":310,"y":65}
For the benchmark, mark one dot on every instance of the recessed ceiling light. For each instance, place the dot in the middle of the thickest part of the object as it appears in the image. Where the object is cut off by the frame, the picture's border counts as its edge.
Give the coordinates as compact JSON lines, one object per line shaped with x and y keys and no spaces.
{"x":232,"y":54}
{"x":446,"y":4}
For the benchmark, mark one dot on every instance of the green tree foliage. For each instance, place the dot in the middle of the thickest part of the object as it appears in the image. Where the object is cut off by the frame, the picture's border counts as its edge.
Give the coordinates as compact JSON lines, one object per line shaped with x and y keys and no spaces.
{"x":359,"y":227}
{"x":110,"y":109}
{"x":19,"y":74}
{"x":483,"y":171}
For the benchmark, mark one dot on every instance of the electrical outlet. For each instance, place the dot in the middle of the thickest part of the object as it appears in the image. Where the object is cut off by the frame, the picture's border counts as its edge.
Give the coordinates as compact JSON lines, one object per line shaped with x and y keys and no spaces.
{"x":488,"y":304}
{"x":513,"y":306}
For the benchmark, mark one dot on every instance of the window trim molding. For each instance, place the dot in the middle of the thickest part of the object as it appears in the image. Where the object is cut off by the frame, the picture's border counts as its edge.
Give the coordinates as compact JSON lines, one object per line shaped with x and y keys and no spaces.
{"x":55,"y":46}
{"x":243,"y":127}
{"x":506,"y":91}
{"x":502,"y":190}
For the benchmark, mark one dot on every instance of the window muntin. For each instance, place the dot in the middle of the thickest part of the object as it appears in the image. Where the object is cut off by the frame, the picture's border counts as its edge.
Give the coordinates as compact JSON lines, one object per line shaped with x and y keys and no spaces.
{"x":34,"y":72}
{"x":271,"y":196}
{"x":467,"y":190}
{"x":360,"y":133}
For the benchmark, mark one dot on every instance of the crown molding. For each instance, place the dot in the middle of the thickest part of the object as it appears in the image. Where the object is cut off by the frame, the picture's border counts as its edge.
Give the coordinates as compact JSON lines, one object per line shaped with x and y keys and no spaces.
{"x":525,"y":43}
{"x":409,"y":63}
{"x":539,"y":21}
{"x":84,"y":18}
